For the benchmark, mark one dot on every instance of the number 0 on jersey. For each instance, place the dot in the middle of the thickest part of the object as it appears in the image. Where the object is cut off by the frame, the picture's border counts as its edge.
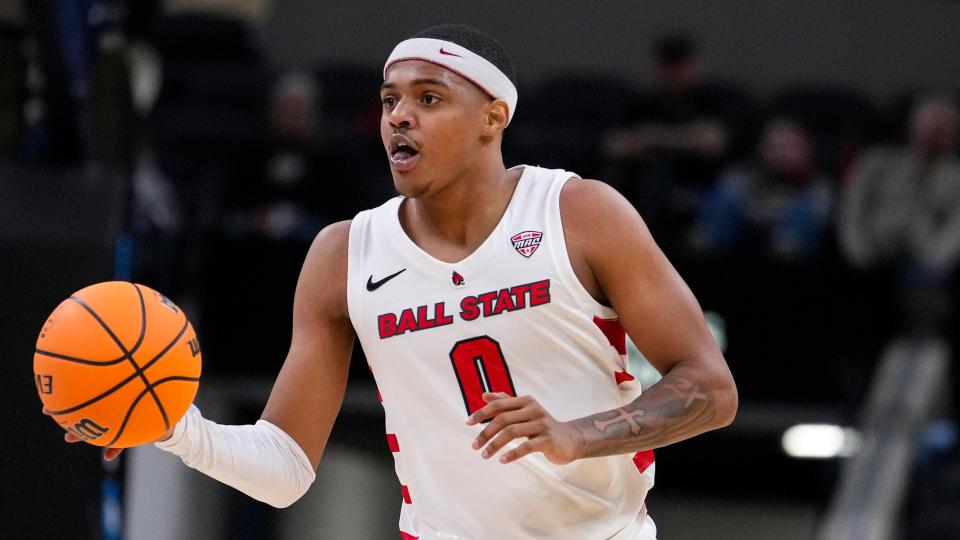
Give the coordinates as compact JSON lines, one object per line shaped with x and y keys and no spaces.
{"x":480,"y":367}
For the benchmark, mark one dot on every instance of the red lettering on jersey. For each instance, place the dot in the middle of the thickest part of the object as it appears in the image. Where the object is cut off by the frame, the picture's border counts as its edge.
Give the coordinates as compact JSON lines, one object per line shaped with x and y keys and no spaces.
{"x":540,"y":293}
{"x":423,"y":321}
{"x":486,"y":304}
{"x":468,"y":308}
{"x":412,"y":321}
{"x":520,"y":294}
{"x":504,"y":302}
{"x":441,"y":318}
{"x":408,"y":322}
{"x":487,"y":299}
{"x":387,"y":323}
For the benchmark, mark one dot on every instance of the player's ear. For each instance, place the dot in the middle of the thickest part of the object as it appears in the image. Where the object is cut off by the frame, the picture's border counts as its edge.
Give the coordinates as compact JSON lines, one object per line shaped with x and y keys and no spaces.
{"x":497,"y":117}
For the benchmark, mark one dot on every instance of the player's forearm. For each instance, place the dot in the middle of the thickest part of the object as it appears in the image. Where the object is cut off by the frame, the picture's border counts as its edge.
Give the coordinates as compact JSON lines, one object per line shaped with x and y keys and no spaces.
{"x":685,"y":403}
{"x":260,"y":460}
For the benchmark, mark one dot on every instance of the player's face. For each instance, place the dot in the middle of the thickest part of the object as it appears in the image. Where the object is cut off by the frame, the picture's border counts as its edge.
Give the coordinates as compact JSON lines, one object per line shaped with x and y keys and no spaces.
{"x":431,"y":125}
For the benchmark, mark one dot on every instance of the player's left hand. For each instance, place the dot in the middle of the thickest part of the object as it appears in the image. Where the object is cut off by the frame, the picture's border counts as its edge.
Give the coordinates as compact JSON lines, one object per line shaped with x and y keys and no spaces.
{"x":109,"y":454}
{"x":516,"y":417}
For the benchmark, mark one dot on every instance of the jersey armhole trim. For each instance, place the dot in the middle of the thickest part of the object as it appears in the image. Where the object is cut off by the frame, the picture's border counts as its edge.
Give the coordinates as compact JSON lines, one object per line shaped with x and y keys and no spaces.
{"x":564,"y":265}
{"x":359,"y":221}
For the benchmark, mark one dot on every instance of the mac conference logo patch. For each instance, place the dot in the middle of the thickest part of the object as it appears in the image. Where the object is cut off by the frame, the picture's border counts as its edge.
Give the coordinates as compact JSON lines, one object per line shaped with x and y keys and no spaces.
{"x":527,"y":242}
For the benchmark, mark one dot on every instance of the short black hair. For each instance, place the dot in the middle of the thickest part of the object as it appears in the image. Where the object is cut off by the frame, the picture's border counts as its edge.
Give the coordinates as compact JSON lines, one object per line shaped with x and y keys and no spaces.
{"x":475,"y":41}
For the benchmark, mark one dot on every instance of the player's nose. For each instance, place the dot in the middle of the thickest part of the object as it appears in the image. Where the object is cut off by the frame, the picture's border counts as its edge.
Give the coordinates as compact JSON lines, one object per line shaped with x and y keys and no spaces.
{"x":401,"y":116}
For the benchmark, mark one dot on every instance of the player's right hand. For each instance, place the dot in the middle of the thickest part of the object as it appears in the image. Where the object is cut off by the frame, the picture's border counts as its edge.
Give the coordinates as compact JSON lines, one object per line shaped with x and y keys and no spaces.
{"x":109,"y":453}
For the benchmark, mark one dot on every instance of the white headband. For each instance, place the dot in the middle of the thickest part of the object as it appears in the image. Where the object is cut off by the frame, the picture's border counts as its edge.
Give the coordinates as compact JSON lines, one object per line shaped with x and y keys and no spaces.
{"x":463,"y":62}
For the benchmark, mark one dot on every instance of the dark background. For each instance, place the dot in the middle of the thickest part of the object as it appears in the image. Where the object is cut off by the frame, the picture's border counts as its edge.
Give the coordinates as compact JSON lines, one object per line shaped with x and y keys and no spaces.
{"x":99,"y":97}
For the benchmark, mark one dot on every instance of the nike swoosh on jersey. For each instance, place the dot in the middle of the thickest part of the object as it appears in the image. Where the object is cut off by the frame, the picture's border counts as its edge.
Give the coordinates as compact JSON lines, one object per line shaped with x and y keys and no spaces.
{"x":374,"y":285}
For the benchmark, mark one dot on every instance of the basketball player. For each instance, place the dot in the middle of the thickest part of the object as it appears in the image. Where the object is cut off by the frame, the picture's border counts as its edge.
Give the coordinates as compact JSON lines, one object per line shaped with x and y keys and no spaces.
{"x":491,"y":304}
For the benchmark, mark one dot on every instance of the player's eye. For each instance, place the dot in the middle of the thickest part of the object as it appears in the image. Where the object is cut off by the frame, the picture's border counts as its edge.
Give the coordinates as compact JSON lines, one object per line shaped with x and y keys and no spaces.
{"x":429,"y":99}
{"x":388,"y":102}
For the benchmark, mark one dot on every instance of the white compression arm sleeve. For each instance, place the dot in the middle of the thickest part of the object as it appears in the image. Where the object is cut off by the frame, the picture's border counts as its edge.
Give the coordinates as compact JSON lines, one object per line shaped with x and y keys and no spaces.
{"x":260,"y":460}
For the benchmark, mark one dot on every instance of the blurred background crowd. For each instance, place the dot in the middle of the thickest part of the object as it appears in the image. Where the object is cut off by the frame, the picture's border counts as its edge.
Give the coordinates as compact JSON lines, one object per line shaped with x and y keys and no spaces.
{"x":818,"y":222}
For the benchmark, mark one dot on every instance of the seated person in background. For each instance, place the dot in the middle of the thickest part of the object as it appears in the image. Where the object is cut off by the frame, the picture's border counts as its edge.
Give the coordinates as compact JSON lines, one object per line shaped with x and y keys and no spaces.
{"x":901,"y":212}
{"x":676,"y":138}
{"x":676,"y":115}
{"x":283,"y":198}
{"x":775,"y":205}
{"x":903,"y":204}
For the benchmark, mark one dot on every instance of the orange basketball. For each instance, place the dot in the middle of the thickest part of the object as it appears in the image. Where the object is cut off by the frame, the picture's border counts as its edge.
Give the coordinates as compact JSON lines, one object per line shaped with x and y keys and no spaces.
{"x":117,"y":364}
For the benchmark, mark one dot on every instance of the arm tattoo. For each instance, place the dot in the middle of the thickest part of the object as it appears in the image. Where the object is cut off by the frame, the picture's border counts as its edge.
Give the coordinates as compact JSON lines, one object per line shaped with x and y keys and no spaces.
{"x":622,"y":415}
{"x":674,"y":409}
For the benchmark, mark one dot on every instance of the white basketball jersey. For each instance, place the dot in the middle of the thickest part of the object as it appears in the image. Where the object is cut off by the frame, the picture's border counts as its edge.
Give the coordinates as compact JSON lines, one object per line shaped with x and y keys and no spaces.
{"x":511,"y":317}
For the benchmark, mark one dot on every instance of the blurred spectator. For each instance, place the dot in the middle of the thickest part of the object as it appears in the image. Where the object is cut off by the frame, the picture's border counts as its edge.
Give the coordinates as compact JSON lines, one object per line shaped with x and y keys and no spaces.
{"x":902,"y":213}
{"x":757,"y":252}
{"x":283,"y":200}
{"x":904,"y":203}
{"x":12,"y":77}
{"x":902,"y":210}
{"x":272,"y":212}
{"x":204,"y":135}
{"x":678,"y":137}
{"x":677,"y":115}
{"x":839,"y":119}
{"x":776,"y":205}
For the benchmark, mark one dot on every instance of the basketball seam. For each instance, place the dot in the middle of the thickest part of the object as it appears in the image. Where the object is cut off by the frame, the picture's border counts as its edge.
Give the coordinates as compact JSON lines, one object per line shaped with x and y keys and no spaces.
{"x":136,"y":346}
{"x":127,"y":354}
{"x":143,"y":325}
{"x":126,"y":417}
{"x":124,"y":382}
{"x":59,"y":356}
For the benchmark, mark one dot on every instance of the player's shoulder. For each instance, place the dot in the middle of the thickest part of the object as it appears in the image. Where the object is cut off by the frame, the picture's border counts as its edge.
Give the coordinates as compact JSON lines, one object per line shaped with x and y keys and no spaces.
{"x":326,"y":260}
{"x":323,"y":279}
{"x":600,"y":226}
{"x":332,"y":240}
{"x":594,"y":206}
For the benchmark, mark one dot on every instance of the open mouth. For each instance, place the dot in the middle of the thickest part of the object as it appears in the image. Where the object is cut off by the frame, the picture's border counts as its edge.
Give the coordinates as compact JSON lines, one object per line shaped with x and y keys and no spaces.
{"x":403,"y":151}
{"x":402,"y":154}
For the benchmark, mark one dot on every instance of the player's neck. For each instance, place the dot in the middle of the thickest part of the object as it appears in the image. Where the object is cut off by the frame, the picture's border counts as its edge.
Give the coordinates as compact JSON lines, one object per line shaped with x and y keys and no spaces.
{"x":451,"y":223}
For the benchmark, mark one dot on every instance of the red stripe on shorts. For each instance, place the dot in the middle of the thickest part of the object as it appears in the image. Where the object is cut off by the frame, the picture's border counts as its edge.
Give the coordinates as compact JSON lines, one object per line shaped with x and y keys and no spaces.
{"x":406,"y":536}
{"x":406,"y":493}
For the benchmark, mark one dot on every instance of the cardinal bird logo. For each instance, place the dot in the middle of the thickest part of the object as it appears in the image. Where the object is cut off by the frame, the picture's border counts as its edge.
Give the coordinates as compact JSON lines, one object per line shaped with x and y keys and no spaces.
{"x":458,"y":280}
{"x":527,"y":242}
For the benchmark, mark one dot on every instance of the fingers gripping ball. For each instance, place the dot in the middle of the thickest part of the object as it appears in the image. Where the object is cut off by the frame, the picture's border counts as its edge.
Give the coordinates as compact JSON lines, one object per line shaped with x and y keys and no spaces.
{"x":117,"y":364}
